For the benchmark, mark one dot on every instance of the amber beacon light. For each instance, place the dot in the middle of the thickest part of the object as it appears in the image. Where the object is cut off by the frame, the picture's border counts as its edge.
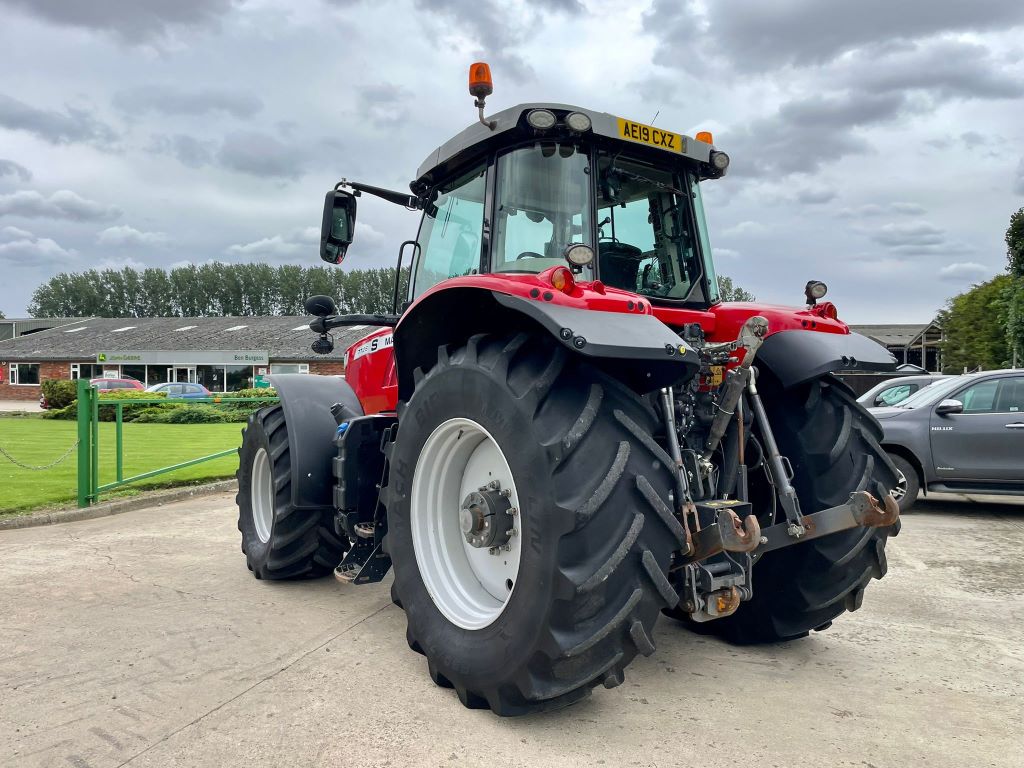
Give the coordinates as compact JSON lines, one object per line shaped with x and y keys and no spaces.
{"x":480,"y":84}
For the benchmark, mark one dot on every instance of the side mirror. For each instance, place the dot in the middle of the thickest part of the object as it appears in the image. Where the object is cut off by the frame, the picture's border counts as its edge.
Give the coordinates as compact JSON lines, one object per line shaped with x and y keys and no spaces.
{"x":879,"y":402}
{"x":338,"y":227}
{"x":321,"y":306}
{"x":946,"y":407}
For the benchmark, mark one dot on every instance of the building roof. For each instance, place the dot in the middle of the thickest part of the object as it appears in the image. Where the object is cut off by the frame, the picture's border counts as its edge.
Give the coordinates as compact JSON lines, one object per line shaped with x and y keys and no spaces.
{"x":892,"y":335}
{"x":285,"y":338}
{"x":20,"y":326}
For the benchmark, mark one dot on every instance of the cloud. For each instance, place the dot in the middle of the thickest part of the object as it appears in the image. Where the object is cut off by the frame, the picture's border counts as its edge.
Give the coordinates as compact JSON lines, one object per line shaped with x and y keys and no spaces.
{"x":964,"y":272}
{"x":172,"y":100}
{"x":385,"y":104}
{"x":71,"y":126}
{"x":11,"y":168}
{"x":189,"y":151}
{"x":123,"y":235}
{"x":945,"y":69}
{"x":755,"y":36}
{"x":63,"y":204}
{"x":815,"y":196}
{"x":275,"y":246}
{"x":305,"y":240}
{"x":1018,"y":184}
{"x":912,"y":234}
{"x":259,"y":154}
{"x":135,"y":21}
{"x":745,"y":229}
{"x":874,"y":209}
{"x":807,"y":132}
{"x":495,"y":29}
{"x":22,"y":248}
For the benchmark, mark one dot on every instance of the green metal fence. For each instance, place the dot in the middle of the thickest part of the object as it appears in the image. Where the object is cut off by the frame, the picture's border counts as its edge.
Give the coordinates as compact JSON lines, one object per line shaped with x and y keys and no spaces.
{"x":89,"y":404}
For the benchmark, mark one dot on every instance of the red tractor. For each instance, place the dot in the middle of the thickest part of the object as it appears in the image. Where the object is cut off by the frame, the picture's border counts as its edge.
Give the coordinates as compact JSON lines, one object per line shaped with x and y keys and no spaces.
{"x":562,"y":431}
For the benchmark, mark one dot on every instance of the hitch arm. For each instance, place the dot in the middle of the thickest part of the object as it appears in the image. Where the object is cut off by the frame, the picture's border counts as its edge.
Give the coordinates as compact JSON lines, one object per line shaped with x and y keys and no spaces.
{"x":862,"y":509}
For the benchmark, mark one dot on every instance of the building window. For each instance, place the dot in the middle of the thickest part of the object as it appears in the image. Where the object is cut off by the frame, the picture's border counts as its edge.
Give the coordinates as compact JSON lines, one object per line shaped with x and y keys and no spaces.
{"x":211,"y":377}
{"x":289,"y":368}
{"x":137,"y":372}
{"x":86,"y":371}
{"x":155,"y":374}
{"x":237,"y":377}
{"x":24,"y":373}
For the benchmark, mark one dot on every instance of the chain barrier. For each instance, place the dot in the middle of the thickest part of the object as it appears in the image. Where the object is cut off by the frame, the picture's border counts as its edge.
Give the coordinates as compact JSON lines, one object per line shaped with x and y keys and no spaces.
{"x":52,"y":464}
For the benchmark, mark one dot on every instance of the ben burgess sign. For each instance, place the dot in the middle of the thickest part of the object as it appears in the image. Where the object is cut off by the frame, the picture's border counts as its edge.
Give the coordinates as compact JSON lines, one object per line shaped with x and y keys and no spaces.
{"x":169,"y":357}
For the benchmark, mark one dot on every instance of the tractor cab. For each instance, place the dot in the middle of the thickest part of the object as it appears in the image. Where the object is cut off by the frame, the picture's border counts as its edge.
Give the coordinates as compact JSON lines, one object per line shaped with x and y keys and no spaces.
{"x":520,"y":197}
{"x":540,"y":186}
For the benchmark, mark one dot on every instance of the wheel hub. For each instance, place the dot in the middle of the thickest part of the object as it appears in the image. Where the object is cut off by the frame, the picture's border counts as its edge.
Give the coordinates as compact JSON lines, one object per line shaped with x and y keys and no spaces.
{"x":486,"y":518}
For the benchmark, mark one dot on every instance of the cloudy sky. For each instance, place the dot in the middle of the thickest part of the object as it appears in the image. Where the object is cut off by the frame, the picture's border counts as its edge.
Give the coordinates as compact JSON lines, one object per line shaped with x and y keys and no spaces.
{"x":876,"y":145}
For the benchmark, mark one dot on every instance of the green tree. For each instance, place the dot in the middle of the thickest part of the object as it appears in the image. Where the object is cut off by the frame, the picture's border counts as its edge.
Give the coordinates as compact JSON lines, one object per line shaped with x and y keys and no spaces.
{"x":975,"y":326}
{"x":1015,"y":290}
{"x":732,"y":292}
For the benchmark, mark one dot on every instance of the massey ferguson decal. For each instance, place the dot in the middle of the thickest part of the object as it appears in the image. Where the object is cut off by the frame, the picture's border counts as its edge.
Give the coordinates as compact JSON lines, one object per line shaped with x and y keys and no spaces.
{"x":375,"y":344}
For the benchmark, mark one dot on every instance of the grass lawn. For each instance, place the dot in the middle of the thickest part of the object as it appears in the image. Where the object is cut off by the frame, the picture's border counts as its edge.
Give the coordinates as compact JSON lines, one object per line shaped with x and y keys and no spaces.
{"x":38,"y":441}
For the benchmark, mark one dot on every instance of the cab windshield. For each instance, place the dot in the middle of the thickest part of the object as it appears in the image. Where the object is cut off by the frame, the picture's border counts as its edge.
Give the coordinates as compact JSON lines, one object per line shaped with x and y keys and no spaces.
{"x":543,"y":205}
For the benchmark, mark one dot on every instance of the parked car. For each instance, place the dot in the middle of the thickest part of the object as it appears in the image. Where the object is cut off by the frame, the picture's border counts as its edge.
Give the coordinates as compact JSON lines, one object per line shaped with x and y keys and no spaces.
{"x":106,"y":385}
{"x":181,"y":389}
{"x":961,"y":434}
{"x":892,"y":391}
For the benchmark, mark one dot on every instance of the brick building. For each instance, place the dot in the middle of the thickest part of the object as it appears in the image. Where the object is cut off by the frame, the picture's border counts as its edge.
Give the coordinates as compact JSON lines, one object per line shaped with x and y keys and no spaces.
{"x":223,"y":354}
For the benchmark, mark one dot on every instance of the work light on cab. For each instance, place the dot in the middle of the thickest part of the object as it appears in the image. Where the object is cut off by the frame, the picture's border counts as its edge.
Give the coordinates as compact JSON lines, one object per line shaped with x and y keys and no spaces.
{"x":577,"y":122}
{"x":814,"y":290}
{"x":579,"y":255}
{"x":541,"y":119}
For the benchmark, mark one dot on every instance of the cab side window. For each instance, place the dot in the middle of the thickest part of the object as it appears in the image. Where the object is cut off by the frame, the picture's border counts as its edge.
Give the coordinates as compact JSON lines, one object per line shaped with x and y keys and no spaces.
{"x":450,"y":233}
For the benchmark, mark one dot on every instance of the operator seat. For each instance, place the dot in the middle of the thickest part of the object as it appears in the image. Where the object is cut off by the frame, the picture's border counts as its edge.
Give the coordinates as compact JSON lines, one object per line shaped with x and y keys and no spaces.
{"x":618,"y":264}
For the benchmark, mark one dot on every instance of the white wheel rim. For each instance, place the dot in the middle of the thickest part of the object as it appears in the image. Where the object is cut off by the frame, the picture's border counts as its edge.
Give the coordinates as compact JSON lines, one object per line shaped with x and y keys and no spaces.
{"x":470,"y":586}
{"x":901,"y":486}
{"x":261,"y":493}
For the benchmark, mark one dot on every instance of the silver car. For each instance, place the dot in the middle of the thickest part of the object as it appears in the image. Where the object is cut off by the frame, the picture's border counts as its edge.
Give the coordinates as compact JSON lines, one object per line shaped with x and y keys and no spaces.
{"x":893,"y":391}
{"x":962,"y":434}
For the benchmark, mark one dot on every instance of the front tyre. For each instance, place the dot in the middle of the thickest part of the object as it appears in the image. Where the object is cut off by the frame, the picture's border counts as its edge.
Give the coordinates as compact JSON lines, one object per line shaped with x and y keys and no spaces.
{"x":279,"y":541}
{"x":529,"y":524}
{"x":907,"y":483}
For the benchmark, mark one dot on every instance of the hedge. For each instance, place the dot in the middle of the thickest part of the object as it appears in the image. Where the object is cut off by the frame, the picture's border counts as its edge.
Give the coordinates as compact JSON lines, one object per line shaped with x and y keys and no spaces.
{"x":176,"y":411}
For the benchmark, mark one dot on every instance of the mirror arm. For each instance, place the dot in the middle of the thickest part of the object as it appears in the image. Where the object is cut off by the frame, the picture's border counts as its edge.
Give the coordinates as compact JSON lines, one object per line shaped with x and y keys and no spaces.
{"x":398,"y":198}
{"x":322,"y":325}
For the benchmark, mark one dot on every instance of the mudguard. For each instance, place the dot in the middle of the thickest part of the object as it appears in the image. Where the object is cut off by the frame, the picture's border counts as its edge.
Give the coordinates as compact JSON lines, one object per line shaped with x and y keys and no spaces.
{"x":647,"y":353}
{"x":307,"y":401}
{"x":797,"y":356}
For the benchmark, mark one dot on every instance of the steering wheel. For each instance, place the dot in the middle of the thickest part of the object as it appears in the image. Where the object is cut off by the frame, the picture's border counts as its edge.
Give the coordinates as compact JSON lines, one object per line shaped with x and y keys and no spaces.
{"x":529,"y":255}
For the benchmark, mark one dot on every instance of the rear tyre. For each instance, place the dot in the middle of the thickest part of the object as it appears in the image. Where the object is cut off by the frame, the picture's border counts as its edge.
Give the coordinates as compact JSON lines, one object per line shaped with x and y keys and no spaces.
{"x":576,"y":595}
{"x":279,"y":541}
{"x":907,"y":483}
{"x":833,"y":445}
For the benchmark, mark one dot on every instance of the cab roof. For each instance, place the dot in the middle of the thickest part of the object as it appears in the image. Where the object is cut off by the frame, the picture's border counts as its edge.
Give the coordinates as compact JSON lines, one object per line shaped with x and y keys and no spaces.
{"x":478,"y":138}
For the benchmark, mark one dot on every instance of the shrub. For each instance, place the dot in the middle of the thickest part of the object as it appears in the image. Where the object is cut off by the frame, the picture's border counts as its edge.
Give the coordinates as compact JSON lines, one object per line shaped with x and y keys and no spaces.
{"x":192,"y":414}
{"x":59,"y":393}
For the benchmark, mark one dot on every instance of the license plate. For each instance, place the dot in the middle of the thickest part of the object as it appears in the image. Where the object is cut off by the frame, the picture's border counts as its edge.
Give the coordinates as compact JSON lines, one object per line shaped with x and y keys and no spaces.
{"x":654,"y":137}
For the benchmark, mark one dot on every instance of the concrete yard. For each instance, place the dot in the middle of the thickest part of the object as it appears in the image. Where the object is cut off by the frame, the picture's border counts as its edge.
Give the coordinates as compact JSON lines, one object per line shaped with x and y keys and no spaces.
{"x":142,"y":640}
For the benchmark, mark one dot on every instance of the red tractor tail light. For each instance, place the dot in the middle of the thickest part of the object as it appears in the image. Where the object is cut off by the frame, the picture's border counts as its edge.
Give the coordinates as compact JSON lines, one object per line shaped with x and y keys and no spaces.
{"x":561,"y":279}
{"x":827,"y":309}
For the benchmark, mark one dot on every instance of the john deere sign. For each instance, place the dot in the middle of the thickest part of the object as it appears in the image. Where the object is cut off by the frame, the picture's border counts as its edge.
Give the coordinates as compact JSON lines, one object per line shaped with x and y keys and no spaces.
{"x":170,"y":357}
